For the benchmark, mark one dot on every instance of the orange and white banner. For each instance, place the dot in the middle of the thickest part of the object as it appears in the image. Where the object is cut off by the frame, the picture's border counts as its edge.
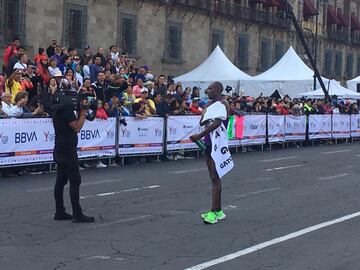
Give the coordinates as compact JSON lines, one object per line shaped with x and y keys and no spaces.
{"x":320,"y":126}
{"x":276,"y":128}
{"x":97,"y":138}
{"x":141,"y":136}
{"x":341,"y":126}
{"x":254,"y":130}
{"x":32,"y":140}
{"x":355,"y":125}
{"x":179,"y":129}
{"x":295,"y":128}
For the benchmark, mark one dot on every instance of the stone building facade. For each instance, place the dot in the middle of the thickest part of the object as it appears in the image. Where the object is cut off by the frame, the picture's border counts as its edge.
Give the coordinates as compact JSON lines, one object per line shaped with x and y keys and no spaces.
{"x":174,"y":36}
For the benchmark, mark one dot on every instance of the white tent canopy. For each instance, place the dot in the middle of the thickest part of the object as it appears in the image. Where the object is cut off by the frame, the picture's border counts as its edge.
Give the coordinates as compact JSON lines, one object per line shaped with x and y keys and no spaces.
{"x":290,"y":75}
{"x":334,"y":88}
{"x":352,"y":84}
{"x":217,"y":67}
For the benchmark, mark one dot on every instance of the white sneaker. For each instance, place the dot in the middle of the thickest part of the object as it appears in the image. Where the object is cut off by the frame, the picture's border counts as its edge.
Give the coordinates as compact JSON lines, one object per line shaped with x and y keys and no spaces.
{"x":100,"y":165}
{"x":85,"y":165}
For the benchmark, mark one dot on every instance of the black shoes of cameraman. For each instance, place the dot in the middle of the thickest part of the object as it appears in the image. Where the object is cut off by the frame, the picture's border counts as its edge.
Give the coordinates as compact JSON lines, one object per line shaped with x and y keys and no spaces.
{"x":75,"y":219}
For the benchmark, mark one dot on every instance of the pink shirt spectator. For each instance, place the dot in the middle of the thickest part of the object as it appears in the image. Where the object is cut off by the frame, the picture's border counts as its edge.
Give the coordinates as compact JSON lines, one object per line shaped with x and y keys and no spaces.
{"x":137,"y":90}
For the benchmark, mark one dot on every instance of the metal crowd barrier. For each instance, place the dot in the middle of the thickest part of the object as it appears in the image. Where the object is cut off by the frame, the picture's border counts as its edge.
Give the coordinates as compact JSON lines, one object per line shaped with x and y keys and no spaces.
{"x":25,"y":142}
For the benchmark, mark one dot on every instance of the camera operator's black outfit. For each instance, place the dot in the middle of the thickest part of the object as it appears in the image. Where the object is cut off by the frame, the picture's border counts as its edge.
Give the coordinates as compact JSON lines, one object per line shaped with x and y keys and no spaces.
{"x":65,"y":156}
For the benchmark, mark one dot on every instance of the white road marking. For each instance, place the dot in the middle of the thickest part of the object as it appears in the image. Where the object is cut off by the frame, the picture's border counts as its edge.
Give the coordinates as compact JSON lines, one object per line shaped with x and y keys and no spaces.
{"x":229,"y":207}
{"x":333,"y":176}
{"x":272,"y":242}
{"x":120,"y":221}
{"x":189,"y":171}
{"x":97,"y":257}
{"x":83,"y":184}
{"x":336,"y":152}
{"x":277,"y":159}
{"x":118,"y":192}
{"x":283,"y":168}
{"x":258,"y":192}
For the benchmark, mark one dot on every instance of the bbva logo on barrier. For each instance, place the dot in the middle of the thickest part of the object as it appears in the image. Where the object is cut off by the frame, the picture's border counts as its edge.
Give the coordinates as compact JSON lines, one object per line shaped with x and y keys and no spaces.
{"x":88,"y":134}
{"x":24,"y":137}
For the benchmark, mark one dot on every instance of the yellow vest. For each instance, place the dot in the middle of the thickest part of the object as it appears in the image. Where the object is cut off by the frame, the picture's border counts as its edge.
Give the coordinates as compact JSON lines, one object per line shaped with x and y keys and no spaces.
{"x":13,"y":90}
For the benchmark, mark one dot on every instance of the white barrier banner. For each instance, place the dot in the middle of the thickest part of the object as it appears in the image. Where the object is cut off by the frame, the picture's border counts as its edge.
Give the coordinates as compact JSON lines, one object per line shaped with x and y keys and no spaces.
{"x":26,"y":140}
{"x":320,"y":126}
{"x":295,"y":128}
{"x":341,"y":126}
{"x":97,"y":138}
{"x":276,"y":128}
{"x":141,"y":136}
{"x":355,"y":125}
{"x":179,"y":129}
{"x":254,"y":130}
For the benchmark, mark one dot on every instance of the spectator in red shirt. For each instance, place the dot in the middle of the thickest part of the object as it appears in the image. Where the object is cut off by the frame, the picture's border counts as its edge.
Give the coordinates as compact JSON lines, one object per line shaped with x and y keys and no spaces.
{"x":42,"y":67}
{"x":101,"y":113}
{"x":10,"y":51}
{"x":41,"y":55}
{"x":194,"y":107}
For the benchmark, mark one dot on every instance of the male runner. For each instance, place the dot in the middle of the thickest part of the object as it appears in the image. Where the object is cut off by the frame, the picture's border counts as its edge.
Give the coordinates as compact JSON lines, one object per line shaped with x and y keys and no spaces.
{"x":213,"y":117}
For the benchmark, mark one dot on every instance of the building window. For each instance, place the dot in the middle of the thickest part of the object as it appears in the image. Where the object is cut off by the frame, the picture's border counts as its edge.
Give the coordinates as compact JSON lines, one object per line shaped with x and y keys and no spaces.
{"x":279,"y":50}
{"x":12,"y":20}
{"x":75,"y":25}
{"x":243,"y":52}
{"x":349,"y":66}
{"x":328,"y":63}
{"x":338,"y":65}
{"x":265,"y":54}
{"x":358,"y":66}
{"x":128,"y":30}
{"x":173,"y":41}
{"x":217,"y":38}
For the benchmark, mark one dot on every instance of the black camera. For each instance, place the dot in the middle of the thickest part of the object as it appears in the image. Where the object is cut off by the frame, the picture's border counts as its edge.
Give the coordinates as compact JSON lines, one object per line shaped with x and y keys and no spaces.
{"x":122,"y":120}
{"x":74,"y":100}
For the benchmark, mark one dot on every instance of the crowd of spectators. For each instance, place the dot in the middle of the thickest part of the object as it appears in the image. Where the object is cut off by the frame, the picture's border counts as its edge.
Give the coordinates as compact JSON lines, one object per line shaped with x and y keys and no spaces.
{"x":121,"y":87}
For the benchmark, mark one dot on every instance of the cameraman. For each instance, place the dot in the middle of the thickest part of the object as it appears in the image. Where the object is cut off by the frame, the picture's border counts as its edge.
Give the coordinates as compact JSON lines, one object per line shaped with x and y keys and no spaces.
{"x":67,"y":125}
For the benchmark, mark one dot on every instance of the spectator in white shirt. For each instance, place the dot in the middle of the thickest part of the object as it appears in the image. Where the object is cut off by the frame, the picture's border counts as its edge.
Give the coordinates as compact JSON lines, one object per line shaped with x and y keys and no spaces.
{"x":22,"y":64}
{"x":19,"y":110}
{"x":7,"y":107}
{"x":53,"y":69}
{"x":79,"y":77}
{"x":86,"y":69}
{"x":114,"y":53}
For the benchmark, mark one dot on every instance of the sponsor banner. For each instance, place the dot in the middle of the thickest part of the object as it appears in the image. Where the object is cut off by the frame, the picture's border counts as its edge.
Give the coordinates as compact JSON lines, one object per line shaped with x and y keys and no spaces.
{"x":320,"y":127}
{"x":26,"y":140}
{"x":97,"y":138}
{"x":341,"y":126}
{"x":141,"y":136}
{"x":179,"y":129}
{"x":32,"y":140}
{"x":254,"y":130}
{"x":295,"y":128}
{"x":355,"y":125}
{"x":276,"y":128}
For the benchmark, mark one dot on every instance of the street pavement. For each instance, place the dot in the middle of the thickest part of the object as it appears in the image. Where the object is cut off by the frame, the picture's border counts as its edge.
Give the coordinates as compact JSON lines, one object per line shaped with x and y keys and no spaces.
{"x":287,"y":209}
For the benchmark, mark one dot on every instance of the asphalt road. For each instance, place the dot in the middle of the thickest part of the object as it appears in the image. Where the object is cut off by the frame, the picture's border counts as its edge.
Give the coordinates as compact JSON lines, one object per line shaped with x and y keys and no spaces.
{"x":148,"y":216}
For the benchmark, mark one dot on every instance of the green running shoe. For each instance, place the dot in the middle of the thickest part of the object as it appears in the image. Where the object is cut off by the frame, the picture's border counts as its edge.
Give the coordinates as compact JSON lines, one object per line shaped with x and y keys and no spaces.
{"x":220,"y":215}
{"x":204,"y":215}
{"x":210,"y":218}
